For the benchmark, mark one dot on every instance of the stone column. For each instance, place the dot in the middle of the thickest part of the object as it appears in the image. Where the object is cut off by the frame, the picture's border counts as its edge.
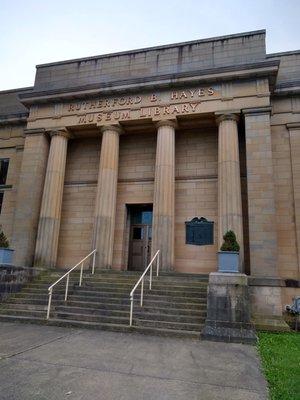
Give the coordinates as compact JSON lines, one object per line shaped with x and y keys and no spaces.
{"x":29,"y":195}
{"x":294,"y":130}
{"x":229,"y":181}
{"x":265,"y":286}
{"x":49,"y":223}
{"x":105,"y":208}
{"x":261,"y":193}
{"x":164,"y":194}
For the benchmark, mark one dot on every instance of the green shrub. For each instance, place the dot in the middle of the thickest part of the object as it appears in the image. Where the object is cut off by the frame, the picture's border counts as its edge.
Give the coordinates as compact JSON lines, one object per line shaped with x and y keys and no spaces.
{"x":4,"y":243}
{"x":230,"y":243}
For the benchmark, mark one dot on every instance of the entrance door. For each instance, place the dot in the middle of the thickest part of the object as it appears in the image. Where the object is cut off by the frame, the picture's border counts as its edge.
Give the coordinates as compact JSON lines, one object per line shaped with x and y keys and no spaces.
{"x":140,"y":237}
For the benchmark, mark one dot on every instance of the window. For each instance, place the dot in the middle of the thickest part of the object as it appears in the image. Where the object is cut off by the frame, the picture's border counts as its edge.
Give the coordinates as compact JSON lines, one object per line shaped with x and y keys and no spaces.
{"x":3,"y":171}
{"x":137,"y":233}
{"x":1,"y":201}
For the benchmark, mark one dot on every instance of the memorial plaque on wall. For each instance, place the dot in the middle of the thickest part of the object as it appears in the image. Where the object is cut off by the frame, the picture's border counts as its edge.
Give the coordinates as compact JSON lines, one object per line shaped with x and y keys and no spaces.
{"x":199,"y":231}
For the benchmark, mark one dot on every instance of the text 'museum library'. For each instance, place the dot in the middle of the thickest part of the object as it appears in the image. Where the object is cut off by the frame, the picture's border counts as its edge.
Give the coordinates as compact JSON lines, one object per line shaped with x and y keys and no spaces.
{"x":164,"y":148}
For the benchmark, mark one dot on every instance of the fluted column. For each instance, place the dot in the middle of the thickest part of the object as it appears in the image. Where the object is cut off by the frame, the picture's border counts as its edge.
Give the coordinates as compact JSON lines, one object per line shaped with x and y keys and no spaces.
{"x":29,"y":195}
{"x":229,"y":181}
{"x":164,"y":194}
{"x":49,"y":222}
{"x":105,"y":207}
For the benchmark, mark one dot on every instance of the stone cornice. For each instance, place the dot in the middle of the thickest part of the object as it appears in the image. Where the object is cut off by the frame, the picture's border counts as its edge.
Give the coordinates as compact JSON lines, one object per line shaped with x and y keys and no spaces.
{"x":242,"y":71}
{"x":14,"y":119}
{"x":38,"y":131}
{"x":256,"y":111}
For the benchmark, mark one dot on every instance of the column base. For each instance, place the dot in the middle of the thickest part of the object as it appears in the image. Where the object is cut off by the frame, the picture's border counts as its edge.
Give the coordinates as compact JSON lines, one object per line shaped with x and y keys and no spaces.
{"x":228,"y":309}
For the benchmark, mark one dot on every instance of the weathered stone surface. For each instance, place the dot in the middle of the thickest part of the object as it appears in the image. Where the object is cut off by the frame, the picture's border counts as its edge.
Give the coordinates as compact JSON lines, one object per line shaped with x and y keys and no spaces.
{"x":228,"y":309}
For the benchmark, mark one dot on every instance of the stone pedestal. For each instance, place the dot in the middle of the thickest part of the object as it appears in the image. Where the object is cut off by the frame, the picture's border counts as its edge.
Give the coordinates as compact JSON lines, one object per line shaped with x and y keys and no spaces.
{"x":164,"y":195}
{"x":230,"y":215}
{"x":105,"y":208}
{"x":49,"y":222}
{"x":228,"y":309}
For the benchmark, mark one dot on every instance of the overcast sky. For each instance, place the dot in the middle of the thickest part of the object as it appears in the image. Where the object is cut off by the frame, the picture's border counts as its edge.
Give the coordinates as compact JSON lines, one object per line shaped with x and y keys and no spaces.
{"x":41,"y":31}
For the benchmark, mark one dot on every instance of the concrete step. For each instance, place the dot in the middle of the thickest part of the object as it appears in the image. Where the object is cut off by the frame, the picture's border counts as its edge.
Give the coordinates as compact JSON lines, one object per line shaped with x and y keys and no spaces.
{"x":38,"y":296}
{"x":32,"y":301}
{"x":158,"y":301}
{"x":124,"y":291}
{"x":164,"y":315}
{"x":107,"y":291}
{"x":149,"y":301}
{"x":103,"y":326}
{"x":201,"y":308}
{"x":124,"y":320}
{"x":176,"y":305}
{"x":167,"y":325}
{"x":24,"y":312}
{"x":23,"y":306}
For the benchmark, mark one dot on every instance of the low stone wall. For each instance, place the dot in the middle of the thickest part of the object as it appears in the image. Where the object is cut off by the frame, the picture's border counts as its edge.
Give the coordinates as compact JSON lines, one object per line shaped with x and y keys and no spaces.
{"x":13,"y":278}
{"x":267,"y":298}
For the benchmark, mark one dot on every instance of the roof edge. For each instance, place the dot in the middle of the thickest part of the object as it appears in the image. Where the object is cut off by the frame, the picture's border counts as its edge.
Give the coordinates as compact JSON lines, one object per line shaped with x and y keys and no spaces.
{"x":17,"y":90}
{"x":171,"y":45}
{"x":283,"y":53}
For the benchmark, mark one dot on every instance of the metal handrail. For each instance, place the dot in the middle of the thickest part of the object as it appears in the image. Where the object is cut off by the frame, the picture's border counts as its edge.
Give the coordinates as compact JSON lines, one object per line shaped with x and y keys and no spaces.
{"x":67,"y":274}
{"x":156,"y":255}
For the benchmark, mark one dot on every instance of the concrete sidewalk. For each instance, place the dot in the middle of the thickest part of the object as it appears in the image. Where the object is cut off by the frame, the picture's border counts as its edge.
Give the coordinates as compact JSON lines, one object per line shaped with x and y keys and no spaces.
{"x":52,"y":363}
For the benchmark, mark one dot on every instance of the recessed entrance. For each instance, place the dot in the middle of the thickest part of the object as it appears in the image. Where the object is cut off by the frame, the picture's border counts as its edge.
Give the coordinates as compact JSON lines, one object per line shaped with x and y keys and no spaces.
{"x":140,"y":236}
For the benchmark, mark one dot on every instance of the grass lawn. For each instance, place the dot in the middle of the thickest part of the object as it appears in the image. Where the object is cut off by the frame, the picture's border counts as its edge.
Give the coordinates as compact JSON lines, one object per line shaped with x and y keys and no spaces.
{"x":280,"y":354}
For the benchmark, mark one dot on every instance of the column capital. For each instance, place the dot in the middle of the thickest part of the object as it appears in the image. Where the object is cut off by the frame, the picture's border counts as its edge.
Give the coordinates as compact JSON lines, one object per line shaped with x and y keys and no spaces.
{"x":167,"y":122}
{"x":227,"y":116}
{"x":293,"y":126}
{"x":60,"y":132}
{"x":114,"y":128}
{"x":256,"y":111}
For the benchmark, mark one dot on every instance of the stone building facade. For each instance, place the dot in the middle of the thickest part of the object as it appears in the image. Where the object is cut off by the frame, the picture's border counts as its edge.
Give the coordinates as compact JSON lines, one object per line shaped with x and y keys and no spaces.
{"x":116,"y":152}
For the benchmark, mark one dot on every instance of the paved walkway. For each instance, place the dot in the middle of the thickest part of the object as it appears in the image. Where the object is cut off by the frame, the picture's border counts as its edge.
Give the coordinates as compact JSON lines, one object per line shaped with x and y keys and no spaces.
{"x":52,"y":363}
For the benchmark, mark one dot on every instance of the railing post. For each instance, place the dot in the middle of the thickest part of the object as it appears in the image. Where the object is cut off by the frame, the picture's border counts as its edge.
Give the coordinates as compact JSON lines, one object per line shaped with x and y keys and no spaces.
{"x":131,"y":310}
{"x":142,"y":292}
{"x":157,"y":264}
{"x":94,"y":259}
{"x":81,"y":272}
{"x":150,"y":282}
{"x":67,"y":287}
{"x":49,"y":303}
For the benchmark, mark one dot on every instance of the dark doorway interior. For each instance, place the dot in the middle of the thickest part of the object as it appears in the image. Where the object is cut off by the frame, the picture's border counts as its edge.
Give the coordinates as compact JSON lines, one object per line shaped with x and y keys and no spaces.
{"x":140,"y":236}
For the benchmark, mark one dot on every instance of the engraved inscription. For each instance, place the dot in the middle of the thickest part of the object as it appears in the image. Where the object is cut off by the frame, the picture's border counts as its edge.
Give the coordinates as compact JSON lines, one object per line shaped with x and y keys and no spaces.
{"x":175,"y":102}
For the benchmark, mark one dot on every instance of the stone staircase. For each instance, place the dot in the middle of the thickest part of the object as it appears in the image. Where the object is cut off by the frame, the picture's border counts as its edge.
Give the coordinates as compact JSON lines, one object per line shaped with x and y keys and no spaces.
{"x":176,"y":305}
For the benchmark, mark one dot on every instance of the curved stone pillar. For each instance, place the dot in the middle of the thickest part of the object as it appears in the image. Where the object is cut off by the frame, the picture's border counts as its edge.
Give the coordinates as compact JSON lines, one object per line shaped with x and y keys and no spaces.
{"x":105,"y":207}
{"x":164,"y":194}
{"x":230,"y":216}
{"x":49,"y":222}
